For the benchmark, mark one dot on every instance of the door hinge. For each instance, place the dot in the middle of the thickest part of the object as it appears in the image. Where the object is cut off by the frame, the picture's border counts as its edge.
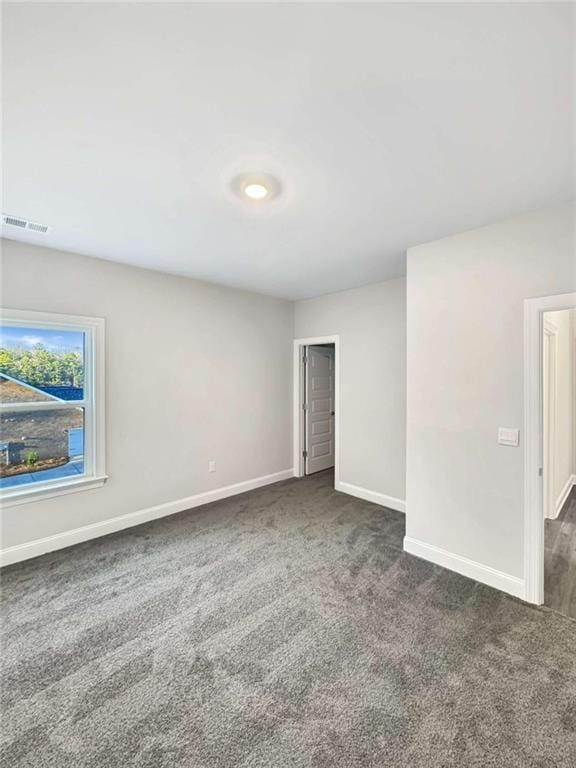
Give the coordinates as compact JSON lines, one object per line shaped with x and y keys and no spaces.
{"x":305,"y":454}
{"x":304,"y":406}
{"x":305,"y":359}
{"x":540,"y":471}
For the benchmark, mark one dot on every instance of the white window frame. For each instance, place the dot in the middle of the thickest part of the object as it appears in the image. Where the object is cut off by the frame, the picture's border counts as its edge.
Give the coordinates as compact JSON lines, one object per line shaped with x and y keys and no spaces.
{"x":94,"y":329}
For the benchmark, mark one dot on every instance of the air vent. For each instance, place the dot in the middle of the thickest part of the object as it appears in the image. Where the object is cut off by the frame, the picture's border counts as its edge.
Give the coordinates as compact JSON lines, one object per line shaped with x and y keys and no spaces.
{"x":13,"y":221}
{"x":37,"y":227}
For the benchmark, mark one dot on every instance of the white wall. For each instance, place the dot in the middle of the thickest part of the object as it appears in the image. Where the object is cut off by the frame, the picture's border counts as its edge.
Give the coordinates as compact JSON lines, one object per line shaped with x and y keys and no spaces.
{"x":564,"y":448}
{"x":574,"y":393}
{"x":371,"y":323}
{"x":194,"y":372}
{"x":465,"y":379}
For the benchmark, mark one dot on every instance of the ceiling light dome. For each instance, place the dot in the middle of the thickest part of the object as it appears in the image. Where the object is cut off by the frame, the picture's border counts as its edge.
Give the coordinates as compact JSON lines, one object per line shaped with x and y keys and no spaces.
{"x":256,"y":191}
{"x":256,"y":187}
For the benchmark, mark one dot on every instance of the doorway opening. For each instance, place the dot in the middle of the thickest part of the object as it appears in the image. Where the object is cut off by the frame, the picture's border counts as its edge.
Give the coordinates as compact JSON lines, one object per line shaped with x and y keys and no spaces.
{"x":550,"y":452}
{"x":559,"y":459}
{"x":316,"y":406}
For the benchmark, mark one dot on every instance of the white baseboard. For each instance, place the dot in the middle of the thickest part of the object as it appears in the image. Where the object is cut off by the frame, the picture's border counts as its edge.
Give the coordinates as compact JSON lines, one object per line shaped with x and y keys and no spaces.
{"x":95,"y":530}
{"x":376,"y":498}
{"x":564,"y":493}
{"x":482,"y":573}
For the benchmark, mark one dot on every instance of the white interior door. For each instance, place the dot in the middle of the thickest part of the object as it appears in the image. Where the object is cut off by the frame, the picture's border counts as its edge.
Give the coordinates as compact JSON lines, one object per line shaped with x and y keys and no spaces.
{"x":319,"y":409}
{"x":549,"y":421}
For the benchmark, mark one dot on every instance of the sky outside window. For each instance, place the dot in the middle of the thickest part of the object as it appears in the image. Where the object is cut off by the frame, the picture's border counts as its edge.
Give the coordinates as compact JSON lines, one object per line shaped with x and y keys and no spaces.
{"x":62,"y":342}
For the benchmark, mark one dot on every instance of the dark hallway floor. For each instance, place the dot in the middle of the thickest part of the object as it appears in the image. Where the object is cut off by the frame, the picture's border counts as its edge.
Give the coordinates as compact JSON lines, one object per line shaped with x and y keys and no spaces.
{"x":284,"y":628}
{"x":560,"y":559}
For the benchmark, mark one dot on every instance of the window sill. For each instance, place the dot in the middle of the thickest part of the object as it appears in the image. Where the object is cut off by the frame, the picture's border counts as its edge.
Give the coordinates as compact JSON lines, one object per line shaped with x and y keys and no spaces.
{"x":12,"y":498}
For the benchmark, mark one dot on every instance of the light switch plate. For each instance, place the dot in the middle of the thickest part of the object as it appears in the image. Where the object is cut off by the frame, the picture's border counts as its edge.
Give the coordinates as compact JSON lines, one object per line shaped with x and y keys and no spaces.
{"x":508,"y":436}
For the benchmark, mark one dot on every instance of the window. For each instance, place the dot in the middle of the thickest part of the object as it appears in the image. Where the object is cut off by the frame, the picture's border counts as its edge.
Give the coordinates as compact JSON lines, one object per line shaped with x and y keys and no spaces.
{"x":51,"y":404}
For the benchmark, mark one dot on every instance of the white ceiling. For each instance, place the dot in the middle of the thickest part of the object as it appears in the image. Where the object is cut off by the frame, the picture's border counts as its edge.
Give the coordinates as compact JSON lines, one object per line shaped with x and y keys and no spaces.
{"x":387,"y":125}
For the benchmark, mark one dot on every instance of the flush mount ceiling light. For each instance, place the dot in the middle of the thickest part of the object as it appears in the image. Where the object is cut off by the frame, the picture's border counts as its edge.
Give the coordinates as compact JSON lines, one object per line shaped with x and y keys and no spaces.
{"x":256,"y":187}
{"x":256,"y":191}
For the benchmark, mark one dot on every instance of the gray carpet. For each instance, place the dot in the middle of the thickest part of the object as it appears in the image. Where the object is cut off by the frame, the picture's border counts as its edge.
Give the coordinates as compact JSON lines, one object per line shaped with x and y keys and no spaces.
{"x":560,"y":559}
{"x":283,"y":628}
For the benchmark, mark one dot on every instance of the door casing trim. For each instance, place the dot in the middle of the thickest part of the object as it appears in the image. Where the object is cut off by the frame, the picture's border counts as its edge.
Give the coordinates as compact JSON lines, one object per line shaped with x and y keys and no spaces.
{"x":533,"y":439}
{"x":298,"y":395}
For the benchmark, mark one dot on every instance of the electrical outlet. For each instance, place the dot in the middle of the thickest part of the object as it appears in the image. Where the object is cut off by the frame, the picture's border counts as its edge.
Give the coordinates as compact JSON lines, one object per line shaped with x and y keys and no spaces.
{"x":211,"y":466}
